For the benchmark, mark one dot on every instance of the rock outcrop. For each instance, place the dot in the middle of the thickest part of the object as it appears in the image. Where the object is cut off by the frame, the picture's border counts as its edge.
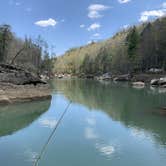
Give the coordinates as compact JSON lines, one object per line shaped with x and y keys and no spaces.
{"x":19,"y":85}
{"x":10,"y":93}
{"x":18,"y":76}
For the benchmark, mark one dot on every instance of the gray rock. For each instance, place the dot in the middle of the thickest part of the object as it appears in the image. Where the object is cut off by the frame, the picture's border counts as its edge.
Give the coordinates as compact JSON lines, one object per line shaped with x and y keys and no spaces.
{"x":156,"y":70}
{"x":138,"y":84}
{"x":155,"y":82}
{"x":162,"y":81}
{"x":158,"y":82}
{"x":125,"y":77}
{"x":106,"y":76}
{"x":18,"y":76}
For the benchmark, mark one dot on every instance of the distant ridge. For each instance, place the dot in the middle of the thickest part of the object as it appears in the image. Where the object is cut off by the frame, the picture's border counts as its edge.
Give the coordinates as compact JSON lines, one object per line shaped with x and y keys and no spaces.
{"x":135,"y":49}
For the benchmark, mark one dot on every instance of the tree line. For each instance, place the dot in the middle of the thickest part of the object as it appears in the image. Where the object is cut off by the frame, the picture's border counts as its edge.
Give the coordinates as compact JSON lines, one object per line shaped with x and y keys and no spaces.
{"x":27,"y":53}
{"x":133,"y":50}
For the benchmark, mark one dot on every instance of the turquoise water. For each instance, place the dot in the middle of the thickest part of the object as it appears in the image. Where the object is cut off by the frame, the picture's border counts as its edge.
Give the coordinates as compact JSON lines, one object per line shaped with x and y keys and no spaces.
{"x":106,"y":124}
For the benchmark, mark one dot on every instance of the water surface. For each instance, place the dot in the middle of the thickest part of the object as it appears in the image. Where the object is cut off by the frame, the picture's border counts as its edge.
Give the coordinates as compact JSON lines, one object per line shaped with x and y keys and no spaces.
{"x":106,"y":124}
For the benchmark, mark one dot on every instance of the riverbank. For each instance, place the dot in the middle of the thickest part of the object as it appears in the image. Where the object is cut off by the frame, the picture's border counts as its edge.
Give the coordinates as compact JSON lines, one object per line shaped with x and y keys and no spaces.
{"x":10,"y":93}
{"x":20,"y":85}
{"x":142,"y":79}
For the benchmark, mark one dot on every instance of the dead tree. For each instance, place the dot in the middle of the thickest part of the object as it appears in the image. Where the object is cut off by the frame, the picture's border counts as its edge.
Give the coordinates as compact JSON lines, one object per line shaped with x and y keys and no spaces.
{"x":17,"y":54}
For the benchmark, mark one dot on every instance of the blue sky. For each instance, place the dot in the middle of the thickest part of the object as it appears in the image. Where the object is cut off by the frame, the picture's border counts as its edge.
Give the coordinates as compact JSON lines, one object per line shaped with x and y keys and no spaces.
{"x":71,"y":23}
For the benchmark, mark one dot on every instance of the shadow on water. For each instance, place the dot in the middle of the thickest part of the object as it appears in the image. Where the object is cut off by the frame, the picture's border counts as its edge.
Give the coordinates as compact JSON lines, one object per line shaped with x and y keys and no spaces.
{"x":138,"y":108}
{"x":18,"y":116}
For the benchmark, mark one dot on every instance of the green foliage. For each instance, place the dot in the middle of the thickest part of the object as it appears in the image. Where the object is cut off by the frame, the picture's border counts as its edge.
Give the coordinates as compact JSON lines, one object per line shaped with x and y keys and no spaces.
{"x":132,"y":43}
{"x":47,"y":65}
{"x":136,"y":49}
{"x":32,"y":55}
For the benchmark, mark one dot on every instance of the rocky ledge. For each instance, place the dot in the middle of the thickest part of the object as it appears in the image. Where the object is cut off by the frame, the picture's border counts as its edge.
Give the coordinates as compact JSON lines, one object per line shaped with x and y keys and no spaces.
{"x":10,"y":93}
{"x":18,"y":76}
{"x":19,"y":85}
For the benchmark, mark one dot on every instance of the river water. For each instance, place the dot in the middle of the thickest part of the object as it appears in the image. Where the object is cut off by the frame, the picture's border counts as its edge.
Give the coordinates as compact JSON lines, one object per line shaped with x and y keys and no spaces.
{"x":106,"y":124}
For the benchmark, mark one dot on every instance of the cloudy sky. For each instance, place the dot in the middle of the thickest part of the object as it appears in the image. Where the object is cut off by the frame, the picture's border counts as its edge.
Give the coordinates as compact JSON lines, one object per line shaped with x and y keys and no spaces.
{"x":71,"y":23}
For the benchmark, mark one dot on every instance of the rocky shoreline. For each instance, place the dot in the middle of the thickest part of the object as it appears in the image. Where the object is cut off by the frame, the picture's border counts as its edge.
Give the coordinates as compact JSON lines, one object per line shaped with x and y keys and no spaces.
{"x":19,"y":85}
{"x":142,"y":79}
{"x":139,"y":80}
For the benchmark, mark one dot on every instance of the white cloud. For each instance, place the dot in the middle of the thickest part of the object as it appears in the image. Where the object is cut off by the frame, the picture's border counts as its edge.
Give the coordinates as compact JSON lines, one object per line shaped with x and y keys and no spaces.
{"x":152,"y":13}
{"x":82,"y":26}
{"x":46,"y":23}
{"x":98,"y":7}
{"x":145,"y":15}
{"x":94,"y":26}
{"x":94,"y":14}
{"x":123,"y":1}
{"x":89,"y":42}
{"x":95,"y":9}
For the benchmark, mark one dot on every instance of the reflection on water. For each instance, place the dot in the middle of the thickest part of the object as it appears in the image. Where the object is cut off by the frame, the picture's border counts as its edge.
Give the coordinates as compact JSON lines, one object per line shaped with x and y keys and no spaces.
{"x":106,"y":124}
{"x":48,"y":122}
{"x":17,"y":142}
{"x":18,"y":116}
{"x":135,"y":108}
{"x":90,"y":134}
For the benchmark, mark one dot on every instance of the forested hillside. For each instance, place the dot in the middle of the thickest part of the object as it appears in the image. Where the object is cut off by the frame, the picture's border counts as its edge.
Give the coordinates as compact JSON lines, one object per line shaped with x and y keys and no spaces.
{"x":30,"y":54}
{"x":136,"y":49}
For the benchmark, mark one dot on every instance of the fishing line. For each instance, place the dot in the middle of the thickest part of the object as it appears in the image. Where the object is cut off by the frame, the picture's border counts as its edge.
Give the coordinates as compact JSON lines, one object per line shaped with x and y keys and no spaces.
{"x":51,"y":135}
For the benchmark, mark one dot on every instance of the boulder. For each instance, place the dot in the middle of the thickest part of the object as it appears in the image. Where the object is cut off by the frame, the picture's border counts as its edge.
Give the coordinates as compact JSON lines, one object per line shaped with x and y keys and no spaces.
{"x":125,"y":77}
{"x":141,"y":78}
{"x":138,"y":84}
{"x":162,"y":81}
{"x":154,"y":82}
{"x":106,"y":76}
{"x":60,"y":76}
{"x":18,"y":76}
{"x":44,"y":78}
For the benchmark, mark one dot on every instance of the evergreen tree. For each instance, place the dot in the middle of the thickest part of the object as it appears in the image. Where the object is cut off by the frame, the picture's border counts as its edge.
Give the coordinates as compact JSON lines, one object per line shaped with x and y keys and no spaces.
{"x":132,"y":42}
